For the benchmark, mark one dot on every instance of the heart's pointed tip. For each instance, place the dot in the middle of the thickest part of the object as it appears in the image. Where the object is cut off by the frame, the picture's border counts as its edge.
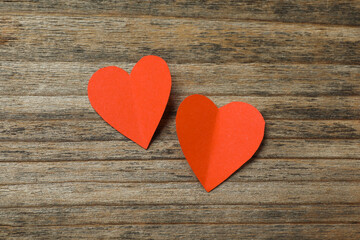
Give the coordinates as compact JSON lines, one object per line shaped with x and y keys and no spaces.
{"x":208,"y":188}
{"x":143,"y":146}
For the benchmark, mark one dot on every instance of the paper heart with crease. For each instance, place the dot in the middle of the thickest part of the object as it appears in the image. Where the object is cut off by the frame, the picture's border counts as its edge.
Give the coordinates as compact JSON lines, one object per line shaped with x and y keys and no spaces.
{"x":217,"y":141}
{"x":132,"y":104}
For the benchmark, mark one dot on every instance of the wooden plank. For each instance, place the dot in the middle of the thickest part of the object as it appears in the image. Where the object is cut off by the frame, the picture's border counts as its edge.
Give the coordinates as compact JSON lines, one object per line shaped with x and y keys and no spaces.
{"x":179,"y":214}
{"x":65,"y":173}
{"x":99,"y":130}
{"x":320,"y":11}
{"x":176,"y":171}
{"x":187,"y":231}
{"x":278,"y":192}
{"x":93,"y":39}
{"x":277,"y":107}
{"x":170,"y":149}
{"x":313,"y":129}
{"x":71,"y":78}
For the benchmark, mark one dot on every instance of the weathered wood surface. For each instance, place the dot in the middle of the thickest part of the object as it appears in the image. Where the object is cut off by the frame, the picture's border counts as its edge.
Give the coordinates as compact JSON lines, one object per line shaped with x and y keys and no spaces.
{"x":316,"y":11}
{"x":280,"y":192}
{"x":65,"y":173}
{"x":278,"y":107}
{"x":170,"y":149}
{"x":187,"y":231}
{"x":179,"y":214}
{"x":158,"y":171}
{"x":99,"y":38}
{"x":98,"y":130}
{"x":54,"y":79}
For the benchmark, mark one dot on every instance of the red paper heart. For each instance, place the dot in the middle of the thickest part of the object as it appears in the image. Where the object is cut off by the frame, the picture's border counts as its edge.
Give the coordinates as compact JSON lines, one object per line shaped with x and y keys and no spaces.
{"x":217,"y":141}
{"x":132,"y":104}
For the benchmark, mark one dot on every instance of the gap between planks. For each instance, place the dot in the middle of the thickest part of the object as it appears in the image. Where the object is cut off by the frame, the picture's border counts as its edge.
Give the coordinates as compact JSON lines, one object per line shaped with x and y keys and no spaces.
{"x":186,"y":223}
{"x":173,"y":159}
{"x":127,"y":140}
{"x":100,"y":119}
{"x":178,"y":204}
{"x":167,"y":159}
{"x":167,"y":182}
{"x":208,"y":95}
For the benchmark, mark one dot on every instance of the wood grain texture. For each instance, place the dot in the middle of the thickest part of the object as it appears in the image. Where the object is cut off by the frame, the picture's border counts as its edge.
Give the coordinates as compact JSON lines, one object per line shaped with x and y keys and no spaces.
{"x":98,"y":38}
{"x":186,"y":231}
{"x":130,"y":171}
{"x":179,"y":214}
{"x":54,"y":79}
{"x":170,"y":149}
{"x":98,"y":130}
{"x":103,"y":193}
{"x":66,"y":174}
{"x":319,"y":11}
{"x":279,"y":107}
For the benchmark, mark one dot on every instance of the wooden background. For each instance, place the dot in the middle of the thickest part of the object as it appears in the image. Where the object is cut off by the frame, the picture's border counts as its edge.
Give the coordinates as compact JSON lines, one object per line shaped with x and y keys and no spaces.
{"x":64,"y":173}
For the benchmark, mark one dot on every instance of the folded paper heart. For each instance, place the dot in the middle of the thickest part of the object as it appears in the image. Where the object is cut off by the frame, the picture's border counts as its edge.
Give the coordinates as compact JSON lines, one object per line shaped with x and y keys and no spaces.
{"x":132,"y":104}
{"x":217,"y":141}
